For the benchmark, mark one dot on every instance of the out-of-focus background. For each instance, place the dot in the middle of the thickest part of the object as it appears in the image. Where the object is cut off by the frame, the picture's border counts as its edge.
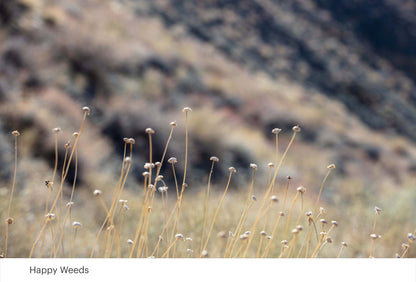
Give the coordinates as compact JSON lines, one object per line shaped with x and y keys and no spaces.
{"x":343,"y":70}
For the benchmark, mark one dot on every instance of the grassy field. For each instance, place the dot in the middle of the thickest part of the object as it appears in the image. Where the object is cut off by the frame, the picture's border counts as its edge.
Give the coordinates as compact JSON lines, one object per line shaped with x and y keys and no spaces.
{"x":262,"y":212}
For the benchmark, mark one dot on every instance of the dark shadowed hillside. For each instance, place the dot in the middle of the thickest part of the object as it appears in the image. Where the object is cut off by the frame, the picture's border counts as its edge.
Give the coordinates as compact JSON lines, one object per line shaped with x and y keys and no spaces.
{"x":342,"y":71}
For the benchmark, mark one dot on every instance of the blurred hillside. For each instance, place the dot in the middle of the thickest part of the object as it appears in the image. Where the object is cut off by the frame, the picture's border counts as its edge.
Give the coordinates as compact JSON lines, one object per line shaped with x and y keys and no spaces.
{"x":343,"y":71}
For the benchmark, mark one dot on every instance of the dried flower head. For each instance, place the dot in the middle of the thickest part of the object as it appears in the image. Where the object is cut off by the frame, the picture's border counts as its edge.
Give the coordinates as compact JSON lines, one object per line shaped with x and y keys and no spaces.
{"x":132,"y":141}
{"x":172,"y":160}
{"x":243,"y":237}
{"x":86,"y":110}
{"x":263,"y":233}
{"x":344,"y":244}
{"x":159,"y":177}
{"x":247,"y":232}
{"x":299,"y":227}
{"x":50,"y":216}
{"x":76,"y":224}
{"x":282,"y":213}
{"x":274,"y":199}
{"x":9,"y":220}
{"x":284,"y":242}
{"x":69,"y":204}
{"x":301,"y":189}
{"x":97,"y":192}
{"x":149,"y":131}
{"x":204,"y":253}
{"x":75,"y":134}
{"x":253,"y":166}
{"x":322,"y":210}
{"x":189,"y":251}
{"x":295,"y":231}
{"x":146,"y":173}
{"x":309,"y":213}
{"x":331,"y":166}
{"x":188,"y":239}
{"x":269,"y":237}
{"x":232,"y":169}
{"x":130,"y":241}
{"x":186,"y":109}
{"x":271,"y":165}
{"x":16,"y":133}
{"x":254,"y":198}
{"x":334,"y":223}
{"x":323,"y":221}
{"x":48,"y":184}
{"x":214,"y":159}
{"x":296,"y":128}
{"x":149,"y":165}
{"x":57,"y":130}
{"x":173,"y":124}
{"x":276,"y":130}
{"x":329,"y":240}
{"x":377,"y":210}
{"x":127,"y":160}
{"x":411,"y":236}
{"x":405,"y":246}
{"x":374,"y":236}
{"x":222,"y":234}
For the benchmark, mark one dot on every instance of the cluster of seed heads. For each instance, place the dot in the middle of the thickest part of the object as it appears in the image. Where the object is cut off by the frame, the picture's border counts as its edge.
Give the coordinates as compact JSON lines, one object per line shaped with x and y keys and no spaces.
{"x":129,"y":140}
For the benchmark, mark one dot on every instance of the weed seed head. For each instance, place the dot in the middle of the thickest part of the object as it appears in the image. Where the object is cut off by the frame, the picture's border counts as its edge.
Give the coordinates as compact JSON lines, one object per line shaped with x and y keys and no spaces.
{"x":214,"y":159}
{"x":254,"y":198}
{"x":296,"y":128}
{"x":50,"y":216}
{"x":263,"y":233}
{"x":172,"y":160}
{"x":331,"y":166}
{"x":16,"y":133}
{"x":86,"y":110}
{"x":301,"y":189}
{"x":173,"y":124}
{"x":375,"y":236}
{"x":322,"y":210}
{"x":131,"y":141}
{"x":271,"y":165}
{"x":299,"y":227}
{"x":274,"y":199}
{"x":284,"y":242}
{"x":222,"y":234}
{"x":411,"y":236}
{"x":186,"y":109}
{"x":146,"y":173}
{"x":57,"y":130}
{"x":377,"y":210}
{"x":149,"y":131}
{"x":282,"y":213}
{"x":149,"y":165}
{"x":75,"y":134}
{"x":127,"y":160}
{"x":323,"y":221}
{"x":9,"y":220}
{"x":344,"y":244}
{"x":130,"y":241}
{"x":76,"y":224}
{"x":329,"y":240}
{"x":253,"y":166}
{"x":334,"y":223}
{"x":97,"y":192}
{"x":204,"y":253}
{"x":309,"y":213}
{"x":276,"y":130}
{"x":232,"y":169}
{"x":69,"y":204}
